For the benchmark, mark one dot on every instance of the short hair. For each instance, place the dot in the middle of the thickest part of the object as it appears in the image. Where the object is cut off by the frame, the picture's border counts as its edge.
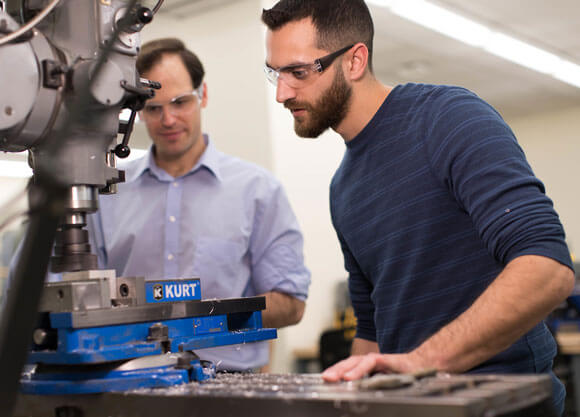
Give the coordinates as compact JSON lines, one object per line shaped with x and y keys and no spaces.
{"x":338,"y":23}
{"x":152,"y":52}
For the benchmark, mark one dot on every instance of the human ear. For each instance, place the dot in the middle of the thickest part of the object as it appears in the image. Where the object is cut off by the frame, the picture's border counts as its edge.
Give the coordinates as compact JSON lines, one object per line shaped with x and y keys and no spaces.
{"x":203,"y":95}
{"x":357,"y":61}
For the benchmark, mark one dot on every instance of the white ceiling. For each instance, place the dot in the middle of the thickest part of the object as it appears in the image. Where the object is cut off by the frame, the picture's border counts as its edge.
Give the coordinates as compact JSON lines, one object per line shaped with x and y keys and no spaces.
{"x":405,"y":51}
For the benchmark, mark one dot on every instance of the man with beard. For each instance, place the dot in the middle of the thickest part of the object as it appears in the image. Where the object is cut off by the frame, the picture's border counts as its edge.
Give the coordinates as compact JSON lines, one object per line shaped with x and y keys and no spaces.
{"x":189,"y":210}
{"x":455,"y":254}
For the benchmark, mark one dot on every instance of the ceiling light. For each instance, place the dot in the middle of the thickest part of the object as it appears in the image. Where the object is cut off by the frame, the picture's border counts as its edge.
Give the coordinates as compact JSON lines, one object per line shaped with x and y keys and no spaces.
{"x":475,"y":34}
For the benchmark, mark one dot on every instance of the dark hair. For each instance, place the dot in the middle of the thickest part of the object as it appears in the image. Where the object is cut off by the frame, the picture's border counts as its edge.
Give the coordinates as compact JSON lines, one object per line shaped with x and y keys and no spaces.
{"x":152,"y":52}
{"x":338,"y":22}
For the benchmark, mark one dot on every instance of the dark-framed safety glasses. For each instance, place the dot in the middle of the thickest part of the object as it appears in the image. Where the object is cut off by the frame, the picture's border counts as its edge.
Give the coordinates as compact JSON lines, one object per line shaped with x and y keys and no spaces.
{"x":300,"y":75}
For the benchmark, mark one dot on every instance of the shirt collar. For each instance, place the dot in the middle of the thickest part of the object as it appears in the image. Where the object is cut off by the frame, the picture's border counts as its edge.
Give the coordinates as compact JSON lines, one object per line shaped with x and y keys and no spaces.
{"x":209,"y":160}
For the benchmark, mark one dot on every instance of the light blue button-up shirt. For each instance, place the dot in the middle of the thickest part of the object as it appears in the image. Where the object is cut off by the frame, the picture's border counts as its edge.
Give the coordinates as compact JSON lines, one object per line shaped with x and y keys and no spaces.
{"x":226,"y":221}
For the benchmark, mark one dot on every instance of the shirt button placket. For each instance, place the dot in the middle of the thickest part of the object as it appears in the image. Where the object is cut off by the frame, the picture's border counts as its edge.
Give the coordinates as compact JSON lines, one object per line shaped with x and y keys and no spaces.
{"x":173,"y":204}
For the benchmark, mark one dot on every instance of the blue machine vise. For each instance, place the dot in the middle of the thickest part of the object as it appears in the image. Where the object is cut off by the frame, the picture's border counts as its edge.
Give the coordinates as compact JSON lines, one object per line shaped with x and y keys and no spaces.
{"x":103,"y":333}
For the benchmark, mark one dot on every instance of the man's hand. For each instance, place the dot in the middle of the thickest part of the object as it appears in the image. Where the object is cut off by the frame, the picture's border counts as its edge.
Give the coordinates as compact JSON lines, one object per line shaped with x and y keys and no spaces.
{"x":359,"y":366}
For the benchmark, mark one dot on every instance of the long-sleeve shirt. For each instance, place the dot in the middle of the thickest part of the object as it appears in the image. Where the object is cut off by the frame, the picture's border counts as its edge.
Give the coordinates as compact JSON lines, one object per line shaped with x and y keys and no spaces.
{"x":226,"y":221}
{"x":432,"y":199}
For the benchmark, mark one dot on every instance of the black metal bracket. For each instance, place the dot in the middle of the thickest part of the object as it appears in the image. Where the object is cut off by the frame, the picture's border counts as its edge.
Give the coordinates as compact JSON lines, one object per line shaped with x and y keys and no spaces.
{"x":19,"y":315}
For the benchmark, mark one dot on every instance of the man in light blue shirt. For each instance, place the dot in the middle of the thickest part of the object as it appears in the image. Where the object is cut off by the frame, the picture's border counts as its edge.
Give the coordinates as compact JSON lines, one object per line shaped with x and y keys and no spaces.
{"x":188,"y":210}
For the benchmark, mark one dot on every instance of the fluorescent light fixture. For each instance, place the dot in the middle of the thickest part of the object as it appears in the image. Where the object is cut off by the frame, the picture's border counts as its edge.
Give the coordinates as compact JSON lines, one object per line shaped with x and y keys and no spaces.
{"x":475,"y":34}
{"x":440,"y":20}
{"x":568,"y":72}
{"x":20,"y":169}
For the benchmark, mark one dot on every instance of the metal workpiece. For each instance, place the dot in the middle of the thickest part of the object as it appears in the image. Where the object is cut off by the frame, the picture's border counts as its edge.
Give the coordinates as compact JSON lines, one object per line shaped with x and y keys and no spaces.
{"x":129,"y":291}
{"x":242,"y":395}
{"x":75,"y":295}
{"x":123,"y":291}
{"x":89,"y":274}
{"x":109,"y":275}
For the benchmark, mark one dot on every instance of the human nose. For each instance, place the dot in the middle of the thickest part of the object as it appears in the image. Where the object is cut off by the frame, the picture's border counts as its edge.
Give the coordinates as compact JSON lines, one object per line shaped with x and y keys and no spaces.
{"x":284,"y":92}
{"x":167,"y":117}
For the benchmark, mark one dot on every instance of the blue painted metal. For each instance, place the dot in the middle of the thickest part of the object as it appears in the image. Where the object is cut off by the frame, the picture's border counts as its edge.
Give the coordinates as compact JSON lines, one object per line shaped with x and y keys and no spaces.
{"x":210,"y":324}
{"x":233,"y":338}
{"x":127,"y":341}
{"x":172,"y":290}
{"x":113,"y":380}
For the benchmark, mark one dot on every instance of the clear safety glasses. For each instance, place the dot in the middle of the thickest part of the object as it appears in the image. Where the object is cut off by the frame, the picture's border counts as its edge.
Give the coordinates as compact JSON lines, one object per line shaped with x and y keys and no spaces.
{"x":300,"y":75}
{"x":177,"y":106}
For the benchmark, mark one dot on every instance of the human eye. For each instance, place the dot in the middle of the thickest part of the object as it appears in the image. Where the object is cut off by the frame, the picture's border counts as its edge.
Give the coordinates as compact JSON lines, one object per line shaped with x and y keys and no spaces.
{"x":152,"y":109}
{"x":270,"y":71}
{"x":182,"y":100}
{"x":299,"y":73}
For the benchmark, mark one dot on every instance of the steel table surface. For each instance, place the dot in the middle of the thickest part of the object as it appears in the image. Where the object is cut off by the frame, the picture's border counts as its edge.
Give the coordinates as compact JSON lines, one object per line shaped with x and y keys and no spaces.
{"x":307,"y":395}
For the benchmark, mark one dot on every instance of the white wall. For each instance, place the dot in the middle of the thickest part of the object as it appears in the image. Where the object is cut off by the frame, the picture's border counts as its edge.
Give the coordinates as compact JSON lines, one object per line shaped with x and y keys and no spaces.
{"x":552,"y":144}
{"x":229,"y":43}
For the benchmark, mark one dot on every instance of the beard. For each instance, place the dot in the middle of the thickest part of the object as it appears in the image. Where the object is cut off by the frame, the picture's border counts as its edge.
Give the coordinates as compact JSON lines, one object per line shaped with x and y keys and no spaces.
{"x":328,"y":111}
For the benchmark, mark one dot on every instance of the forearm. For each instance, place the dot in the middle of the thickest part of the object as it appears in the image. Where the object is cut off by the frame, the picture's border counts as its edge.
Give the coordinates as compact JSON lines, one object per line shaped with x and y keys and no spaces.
{"x":363,"y":346}
{"x":281,"y":310}
{"x":526,"y":291}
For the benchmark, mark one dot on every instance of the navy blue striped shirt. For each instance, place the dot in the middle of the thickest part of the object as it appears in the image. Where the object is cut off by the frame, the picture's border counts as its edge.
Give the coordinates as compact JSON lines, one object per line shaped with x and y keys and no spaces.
{"x":432,"y":199}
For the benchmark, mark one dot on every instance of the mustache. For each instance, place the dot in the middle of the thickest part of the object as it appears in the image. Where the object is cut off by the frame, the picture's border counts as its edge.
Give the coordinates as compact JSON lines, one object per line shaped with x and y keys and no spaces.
{"x":292,"y":104}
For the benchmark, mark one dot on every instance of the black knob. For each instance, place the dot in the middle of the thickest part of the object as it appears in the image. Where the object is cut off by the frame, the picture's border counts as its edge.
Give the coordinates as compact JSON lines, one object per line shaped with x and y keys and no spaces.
{"x":122,"y":151}
{"x":144,"y":15}
{"x":158,"y":331}
{"x":184,"y":360}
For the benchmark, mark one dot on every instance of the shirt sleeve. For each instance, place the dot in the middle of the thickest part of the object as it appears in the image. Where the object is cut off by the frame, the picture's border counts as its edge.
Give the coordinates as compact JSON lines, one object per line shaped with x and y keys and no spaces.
{"x":276,"y":245}
{"x":360,"y":295}
{"x":476,"y":156}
